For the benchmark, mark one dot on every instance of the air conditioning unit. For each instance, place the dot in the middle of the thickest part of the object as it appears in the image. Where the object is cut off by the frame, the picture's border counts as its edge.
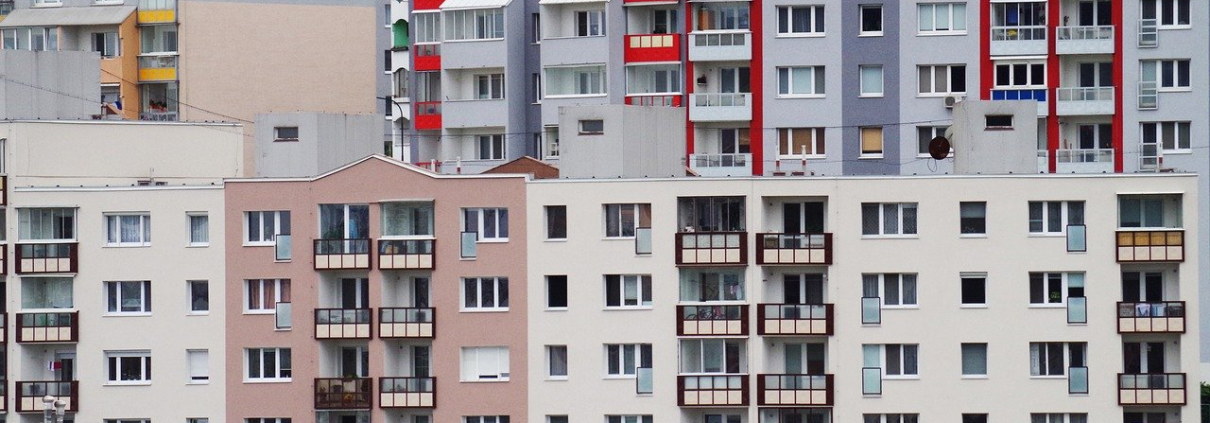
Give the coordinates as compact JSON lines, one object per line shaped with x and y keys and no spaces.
{"x":951,"y":100}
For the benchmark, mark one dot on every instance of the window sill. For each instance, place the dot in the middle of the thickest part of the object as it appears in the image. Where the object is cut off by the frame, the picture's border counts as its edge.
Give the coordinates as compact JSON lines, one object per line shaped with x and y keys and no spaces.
{"x":973,"y":236}
{"x":869,"y":34}
{"x":485,"y":380}
{"x":1175,"y":89}
{"x":801,"y":35}
{"x":1046,"y":235}
{"x":890,"y":237}
{"x":131,"y":314}
{"x":267,"y":380}
{"x":197,"y":246}
{"x":807,"y":157}
{"x":282,"y":261}
{"x":618,"y":238}
{"x":486,"y":310}
{"x":283,"y":329}
{"x":901,"y":307}
{"x":637,"y":308}
{"x":940,"y":33}
{"x":196,"y":383}
{"x":620,"y":377}
{"x":938,"y":95}
{"x":1181,"y":152}
{"x":556,"y":379}
{"x":260,"y":312}
{"x":561,"y":96}
{"x":801,"y":96}
{"x":557,"y":240}
{"x":556,"y":309}
{"x":974,"y":377}
{"x":1043,"y":377}
{"x":198,"y":313}
{"x":257,"y":244}
{"x":973,"y":306}
{"x":132,"y":383}
{"x":492,"y":241}
{"x":126,"y":246}
{"x":871,"y":95}
{"x":871,"y":157}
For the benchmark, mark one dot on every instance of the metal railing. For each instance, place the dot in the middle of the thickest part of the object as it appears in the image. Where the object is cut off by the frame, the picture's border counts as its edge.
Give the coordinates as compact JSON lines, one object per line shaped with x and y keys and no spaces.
{"x":1084,"y":155}
{"x":158,"y":116}
{"x":721,"y":99}
{"x":428,"y":108}
{"x":1149,"y":95}
{"x":337,"y":323}
{"x":1084,"y":33}
{"x":406,"y":253}
{"x":794,"y":319}
{"x":780,"y":248}
{"x":47,"y":258}
{"x":712,"y":390}
{"x":344,"y":393}
{"x":1152,"y":389}
{"x":659,"y":100}
{"x":423,"y":50}
{"x":871,"y":381}
{"x":1077,"y":310}
{"x":719,"y":160}
{"x":158,"y":61}
{"x":1077,"y":380}
{"x":712,"y":320}
{"x":30,"y":394}
{"x":1019,"y":33}
{"x":871,"y":310}
{"x":342,"y":253}
{"x":1151,"y":317}
{"x":48,"y":327}
{"x":407,"y":322}
{"x":794,"y":389}
{"x":407,"y":392}
{"x":721,"y":39}
{"x":1150,"y":246}
{"x":1085,"y":94}
{"x":1149,"y":33}
{"x":711,"y":248}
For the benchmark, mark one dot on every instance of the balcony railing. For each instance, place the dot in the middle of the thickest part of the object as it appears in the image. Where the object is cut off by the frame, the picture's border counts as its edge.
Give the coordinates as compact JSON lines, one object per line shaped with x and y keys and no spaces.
{"x":1084,"y":160}
{"x":47,"y":258}
{"x":1019,"y":33}
{"x":712,"y":320}
{"x":720,"y":46}
{"x":712,"y":249}
{"x":794,"y":249}
{"x":427,"y":58}
{"x":712,"y":391}
{"x":794,"y":319}
{"x":871,"y":310}
{"x":721,"y":107}
{"x":1149,"y":95}
{"x":779,"y":390}
{"x":407,"y":322}
{"x":158,"y":67}
{"x":1149,"y":34}
{"x":333,"y":254}
{"x":406,"y":254}
{"x":1082,"y":101}
{"x":350,"y":393}
{"x":407,"y":392}
{"x":1098,"y":32}
{"x":653,"y":48}
{"x":3,"y":190}
{"x":3,"y":330}
{"x":159,"y":116}
{"x":30,"y":394}
{"x":721,"y":165}
{"x":337,"y":323}
{"x":428,"y":115}
{"x":49,"y":327}
{"x":658,"y":100}
{"x":1152,"y":389}
{"x":1084,"y":39}
{"x":1151,"y":317}
{"x":1143,"y":246}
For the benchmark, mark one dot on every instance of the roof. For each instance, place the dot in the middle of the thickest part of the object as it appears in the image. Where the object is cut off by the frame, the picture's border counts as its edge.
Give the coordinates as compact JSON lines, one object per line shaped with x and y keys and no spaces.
{"x":571,"y":1}
{"x":473,"y":4}
{"x":407,"y":166}
{"x":527,"y":165}
{"x":68,"y":16}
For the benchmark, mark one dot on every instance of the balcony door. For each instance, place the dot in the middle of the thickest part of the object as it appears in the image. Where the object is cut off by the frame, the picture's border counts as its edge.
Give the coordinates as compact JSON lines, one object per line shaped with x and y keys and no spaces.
{"x":420,"y":361}
{"x":1143,"y":357}
{"x":664,"y":21}
{"x":66,"y":371}
{"x":1097,"y":135}
{"x":1099,"y":74}
{"x":420,"y":292}
{"x":734,"y":141}
{"x":354,"y":293}
{"x":1142,"y":287}
{"x":735,"y":80}
{"x":803,"y":218}
{"x":1143,"y":417}
{"x":354,"y":362}
{"x":1095,"y":13}
{"x":805,"y":358}
{"x":803,"y":289}
{"x":344,"y":221}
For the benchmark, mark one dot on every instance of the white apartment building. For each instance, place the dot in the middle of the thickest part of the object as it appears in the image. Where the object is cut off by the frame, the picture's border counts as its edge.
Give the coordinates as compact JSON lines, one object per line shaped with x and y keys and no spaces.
{"x":1043,"y":298}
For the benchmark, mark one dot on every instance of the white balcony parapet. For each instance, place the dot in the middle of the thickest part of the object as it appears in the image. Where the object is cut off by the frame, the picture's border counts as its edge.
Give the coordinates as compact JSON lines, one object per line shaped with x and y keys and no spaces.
{"x":721,"y":107}
{"x":721,"y":164}
{"x":1084,"y":39}
{"x":1085,"y":101}
{"x":720,"y":46}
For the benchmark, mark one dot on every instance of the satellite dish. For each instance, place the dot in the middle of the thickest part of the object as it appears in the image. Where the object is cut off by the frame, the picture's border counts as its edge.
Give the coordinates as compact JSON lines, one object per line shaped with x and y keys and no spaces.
{"x":939,"y":148}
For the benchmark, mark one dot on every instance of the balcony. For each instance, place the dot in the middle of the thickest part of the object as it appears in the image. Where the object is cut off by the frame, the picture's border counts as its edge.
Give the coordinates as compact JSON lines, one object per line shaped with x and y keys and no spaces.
{"x":657,"y":100}
{"x":337,"y":323}
{"x":1164,"y":246}
{"x":427,"y":116}
{"x":407,"y":322}
{"x":1084,"y":40}
{"x":720,"y":46}
{"x":720,"y":107}
{"x":474,"y":113}
{"x":1154,"y":317}
{"x":3,"y":259}
{"x":407,"y":392}
{"x":30,"y":394}
{"x":427,"y":58}
{"x":712,"y":391}
{"x":156,"y":68}
{"x":349,"y":393}
{"x":781,"y":390}
{"x":155,"y":16}
{"x":794,"y":249}
{"x":653,"y":48}
{"x":712,"y":249}
{"x":721,"y":165}
{"x":47,"y":258}
{"x":338,"y":254}
{"x":411,"y":254}
{"x":48,"y":327}
{"x":794,"y":319}
{"x":159,"y":116}
{"x":712,"y":320}
{"x":1019,"y":40}
{"x":1035,"y":94}
{"x":1084,"y":160}
{"x":427,"y":4}
{"x":1151,"y":389}
{"x":1085,"y":101}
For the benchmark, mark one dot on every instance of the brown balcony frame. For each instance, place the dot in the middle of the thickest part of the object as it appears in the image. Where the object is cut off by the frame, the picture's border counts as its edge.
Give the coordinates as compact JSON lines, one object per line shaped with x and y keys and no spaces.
{"x":327,"y":397}
{"x":410,"y":257}
{"x":1161,"y":246}
{"x":770,"y":250}
{"x":343,"y":258}
{"x":711,"y":255}
{"x":45,"y":261}
{"x":31,"y":334}
{"x":1129,"y":320}
{"x":1131,"y":395}
{"x":3,"y":259}
{"x":803,"y":325}
{"x":32,"y":403}
{"x":711,"y":396}
{"x":407,"y":397}
{"x":712,"y":320}
{"x":783,"y":396}
{"x":339,"y":329}
{"x":411,"y":327}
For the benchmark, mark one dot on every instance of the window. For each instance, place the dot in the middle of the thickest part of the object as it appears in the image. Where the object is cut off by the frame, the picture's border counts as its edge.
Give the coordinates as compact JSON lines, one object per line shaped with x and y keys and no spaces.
{"x":706,"y":286}
{"x":550,"y":135}
{"x":713,"y":356}
{"x":535,"y":29}
{"x":895,"y":289}
{"x":974,"y":418}
{"x":973,"y":217}
{"x":262,"y":227}
{"x":1021,"y":75}
{"x":1053,"y":288}
{"x":490,"y":223}
{"x":629,"y":419}
{"x":556,"y":358}
{"x":1050,"y":359}
{"x":484,"y":364}
{"x":941,"y":18}
{"x":894,"y":359}
{"x":267,"y":420}
{"x":871,"y":20}
{"x":890,"y":418}
{"x":199,"y":365}
{"x":46,"y":224}
{"x":285,"y":133}
{"x":795,"y":143}
{"x":622,"y":220}
{"x":128,"y":230}
{"x":556,"y":222}
{"x":490,"y":147}
{"x":428,"y":27}
{"x":998,"y":122}
{"x":556,"y":292}
{"x":46,"y":293}
{"x":623,"y":359}
{"x":628,"y":291}
{"x":407,"y":219}
{"x":475,"y":24}
{"x":1149,"y":211}
{"x":925,"y":135}
{"x":888,"y":218}
{"x":576,"y":81}
{"x":723,"y":16}
{"x":974,"y":290}
{"x":35,"y":39}
{"x":484,"y":419}
{"x":592,"y":127}
{"x":262,"y":295}
{"x":489,"y":86}
{"x":1167,"y":13}
{"x":1053,"y":217}
{"x":106,"y":43}
{"x":940,"y":80}
{"x":974,"y":360}
{"x":711,"y":214}
{"x":128,"y":367}
{"x":485,"y":294}
{"x":802,"y":81}
{"x":871,"y":142}
{"x":1171,"y":75}
{"x":800,"y":20}
{"x":1172,"y":137}
{"x":1063,"y":418}
{"x":653,"y":79}
{"x":536,"y":82}
{"x":871,"y":80}
{"x":267,"y":365}
{"x":199,"y":297}
{"x":158,"y":39}
{"x":199,"y":229}
{"x":590,"y":23}
{"x":128,"y":297}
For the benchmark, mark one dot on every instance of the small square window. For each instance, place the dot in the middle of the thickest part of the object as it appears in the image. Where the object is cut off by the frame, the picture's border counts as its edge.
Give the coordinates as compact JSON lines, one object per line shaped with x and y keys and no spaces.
{"x":871,"y":20}
{"x":999,"y":122}
{"x":285,"y":133}
{"x":974,"y":290}
{"x":592,"y":127}
{"x":871,"y":142}
{"x":973,"y":218}
{"x":974,"y":359}
{"x":974,"y":418}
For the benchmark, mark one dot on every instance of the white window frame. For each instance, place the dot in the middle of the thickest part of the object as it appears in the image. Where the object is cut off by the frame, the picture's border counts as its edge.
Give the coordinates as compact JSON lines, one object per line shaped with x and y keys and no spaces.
{"x":113,"y":295}
{"x":550,"y":138}
{"x":280,"y":374}
{"x":1043,"y":371}
{"x":598,"y":14}
{"x":1159,"y":74}
{"x":1058,"y":417}
{"x":1064,"y":288}
{"x":639,"y":282}
{"x":902,"y":283}
{"x":490,"y":85}
{"x":189,"y":288}
{"x":1175,"y":5}
{"x":881,"y":147}
{"x":932,"y":70}
{"x":1064,"y":218}
{"x":868,"y":92}
{"x":279,"y":134}
{"x":816,"y":12}
{"x":1013,"y":84}
{"x":501,"y":214}
{"x":205,"y":218}
{"x":265,"y":240}
{"x":584,"y":130}
{"x":812,"y":153}
{"x":473,"y":370}
{"x":861,"y":32}
{"x":1181,"y":146}
{"x":935,"y":131}
{"x":636,"y":351}
{"x":25,"y":226}
{"x":463,"y":25}
{"x":550,"y":362}
{"x":427,"y":27}
{"x":815,"y":72}
{"x":113,"y":229}
{"x":613,"y":213}
{"x":114,"y":365}
{"x":264,"y":308}
{"x":478,"y":284}
{"x":962,"y":358}
{"x":882,"y":360}
{"x":933,"y":9}
{"x":498,"y":148}
{"x":901,"y":207}
{"x":198,"y":376}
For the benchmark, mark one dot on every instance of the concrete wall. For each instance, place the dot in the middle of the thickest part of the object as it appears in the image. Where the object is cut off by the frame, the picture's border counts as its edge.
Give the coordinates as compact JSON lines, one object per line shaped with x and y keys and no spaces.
{"x":326,"y":141}
{"x":979,"y":149}
{"x":50,"y":85}
{"x":637,"y":142}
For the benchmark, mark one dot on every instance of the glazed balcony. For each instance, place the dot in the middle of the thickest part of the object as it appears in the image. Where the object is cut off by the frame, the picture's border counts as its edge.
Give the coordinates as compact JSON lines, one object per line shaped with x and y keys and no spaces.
{"x":782,"y":390}
{"x":657,"y":100}
{"x":410,"y":254}
{"x":47,"y":258}
{"x":721,"y":165}
{"x":427,"y":58}
{"x":653,"y":48}
{"x":407,"y":392}
{"x":720,"y":107}
{"x":407,"y":322}
{"x":1084,"y":39}
{"x":427,"y":116}
{"x":1152,"y":389}
{"x":1018,"y":40}
{"x":712,"y":249}
{"x":30,"y":394}
{"x":341,"y":254}
{"x":1085,"y":101}
{"x":794,"y":249}
{"x":337,"y":323}
{"x":795,"y":319}
{"x":158,"y":67}
{"x":712,"y":320}
{"x":1144,"y":246}
{"x":1036,"y":94}
{"x":348,"y":393}
{"x":51,"y":327}
{"x":726,"y":46}
{"x":1151,"y":317}
{"x":729,"y":390}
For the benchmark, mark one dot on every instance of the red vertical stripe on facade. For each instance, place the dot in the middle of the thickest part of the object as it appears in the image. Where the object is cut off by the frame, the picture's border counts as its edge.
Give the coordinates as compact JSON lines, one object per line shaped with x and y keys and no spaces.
{"x":688,"y":82}
{"x":1119,"y":64}
{"x":756,"y":131}
{"x":987,"y":71}
{"x":1052,"y":84}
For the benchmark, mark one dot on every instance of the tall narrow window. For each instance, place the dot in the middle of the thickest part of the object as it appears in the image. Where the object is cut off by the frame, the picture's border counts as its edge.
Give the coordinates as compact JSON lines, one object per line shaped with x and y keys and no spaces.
{"x":199,"y":230}
{"x":871,"y":142}
{"x":556,"y":222}
{"x":556,"y":357}
{"x":199,"y":365}
{"x":556,"y":292}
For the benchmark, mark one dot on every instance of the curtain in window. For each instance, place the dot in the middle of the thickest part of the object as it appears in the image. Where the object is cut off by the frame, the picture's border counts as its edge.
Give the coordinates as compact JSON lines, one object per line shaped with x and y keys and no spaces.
{"x":974,"y":359}
{"x":199,"y":229}
{"x":869,"y":285}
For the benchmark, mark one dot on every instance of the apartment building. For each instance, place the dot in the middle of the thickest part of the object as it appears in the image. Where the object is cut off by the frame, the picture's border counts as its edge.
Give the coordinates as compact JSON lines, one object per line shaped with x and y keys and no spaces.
{"x":1046,"y":298}
{"x":100,"y":302}
{"x":400,"y":107}
{"x":377,"y":292}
